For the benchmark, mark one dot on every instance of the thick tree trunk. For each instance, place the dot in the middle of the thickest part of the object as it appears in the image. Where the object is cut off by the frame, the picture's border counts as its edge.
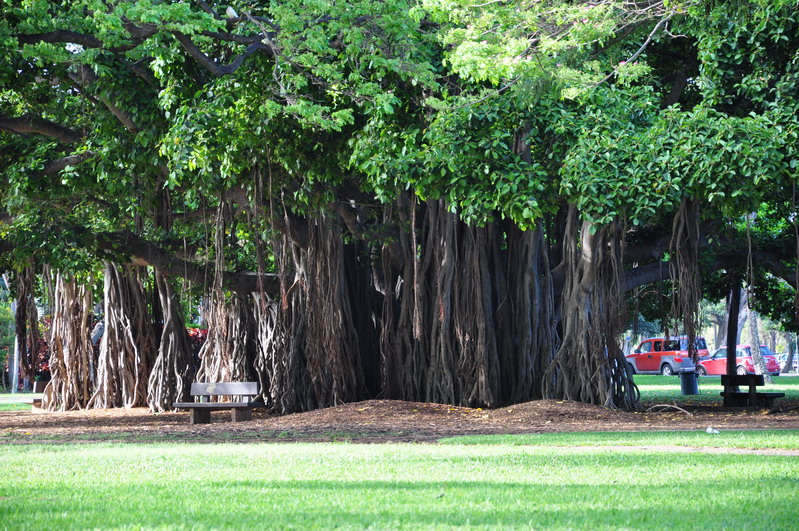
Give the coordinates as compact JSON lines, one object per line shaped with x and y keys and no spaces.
{"x":128,"y":346}
{"x":26,"y":320}
{"x":757,"y":355}
{"x":457,"y":322}
{"x":282,"y":328}
{"x":170,"y":379}
{"x":589,"y":365}
{"x":331,"y":349}
{"x":228,"y":354}
{"x":70,"y":348}
{"x":474,"y":318}
{"x":741,"y":313}
{"x":403,"y":347}
{"x":468,"y":317}
{"x":732,"y":339}
{"x":526,"y":316}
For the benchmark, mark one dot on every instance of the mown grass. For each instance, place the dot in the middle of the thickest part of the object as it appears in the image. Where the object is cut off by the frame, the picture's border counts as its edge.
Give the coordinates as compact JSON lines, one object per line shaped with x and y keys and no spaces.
{"x":666,"y":389}
{"x":15,"y":407}
{"x":761,"y":439}
{"x":388,"y":486}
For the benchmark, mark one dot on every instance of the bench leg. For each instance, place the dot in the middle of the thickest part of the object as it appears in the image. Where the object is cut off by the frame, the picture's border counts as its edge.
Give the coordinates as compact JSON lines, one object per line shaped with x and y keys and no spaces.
{"x":200,"y":416}
{"x":239,"y":414}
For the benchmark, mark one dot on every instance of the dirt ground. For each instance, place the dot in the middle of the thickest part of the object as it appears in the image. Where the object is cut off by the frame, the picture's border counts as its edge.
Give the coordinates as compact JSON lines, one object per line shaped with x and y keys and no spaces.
{"x":378,"y":421}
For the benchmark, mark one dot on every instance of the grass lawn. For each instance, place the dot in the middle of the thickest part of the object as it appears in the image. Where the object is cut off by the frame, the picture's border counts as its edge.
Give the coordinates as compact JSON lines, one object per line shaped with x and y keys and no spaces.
{"x":762,"y":439}
{"x":565,"y":480}
{"x":15,"y":407}
{"x":666,"y":389}
{"x":408,"y":486}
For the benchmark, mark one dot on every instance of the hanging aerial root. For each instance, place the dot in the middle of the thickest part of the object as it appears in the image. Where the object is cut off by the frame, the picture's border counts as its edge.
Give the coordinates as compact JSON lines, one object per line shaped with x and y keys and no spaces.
{"x":170,"y":379}
{"x":590,"y":365}
{"x":228,"y":354}
{"x":71,"y":355}
{"x":128,"y":347}
{"x":684,"y":248}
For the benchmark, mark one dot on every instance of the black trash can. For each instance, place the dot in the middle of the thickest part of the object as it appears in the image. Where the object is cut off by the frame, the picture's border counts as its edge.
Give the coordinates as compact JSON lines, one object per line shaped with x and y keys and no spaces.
{"x":689,"y":382}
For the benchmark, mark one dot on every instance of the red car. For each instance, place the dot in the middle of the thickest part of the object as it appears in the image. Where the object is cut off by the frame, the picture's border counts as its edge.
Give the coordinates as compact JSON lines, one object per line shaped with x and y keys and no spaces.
{"x":717,"y":363}
{"x":658,"y":355}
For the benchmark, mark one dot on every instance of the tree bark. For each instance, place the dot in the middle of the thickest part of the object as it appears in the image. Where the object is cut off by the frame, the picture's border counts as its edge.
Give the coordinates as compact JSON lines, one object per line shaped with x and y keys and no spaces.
{"x":790,"y":338}
{"x":732,"y":336}
{"x":26,"y":320}
{"x":589,"y":366}
{"x":282,"y":330}
{"x":128,"y":346}
{"x":70,"y":348}
{"x":170,"y":379}
{"x":228,"y":354}
{"x":757,"y":355}
{"x":332,"y":343}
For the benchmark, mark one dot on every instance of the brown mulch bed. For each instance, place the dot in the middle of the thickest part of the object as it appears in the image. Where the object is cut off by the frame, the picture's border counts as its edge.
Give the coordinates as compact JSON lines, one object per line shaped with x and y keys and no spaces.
{"x":377,"y":421}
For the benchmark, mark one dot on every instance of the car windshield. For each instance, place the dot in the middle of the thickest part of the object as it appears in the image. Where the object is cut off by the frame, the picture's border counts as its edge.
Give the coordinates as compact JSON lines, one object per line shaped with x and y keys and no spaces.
{"x":764,"y":351}
{"x":699,"y":342}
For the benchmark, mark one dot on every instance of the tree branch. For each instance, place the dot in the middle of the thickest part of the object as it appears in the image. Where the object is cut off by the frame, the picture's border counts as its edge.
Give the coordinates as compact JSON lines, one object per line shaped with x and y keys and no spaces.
{"x":350,"y":217}
{"x":210,"y":64}
{"x":204,"y":5}
{"x":138,"y":35}
{"x":55,"y":166}
{"x":646,"y":274}
{"x":640,"y":50}
{"x":87,"y":41}
{"x":232,"y":37}
{"x":146,"y":253}
{"x":776,"y":267}
{"x":85,"y":77}
{"x":32,"y":124}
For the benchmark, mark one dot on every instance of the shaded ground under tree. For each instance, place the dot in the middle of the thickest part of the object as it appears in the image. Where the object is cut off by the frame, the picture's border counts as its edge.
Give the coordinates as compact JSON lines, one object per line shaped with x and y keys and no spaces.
{"x":379,"y":421}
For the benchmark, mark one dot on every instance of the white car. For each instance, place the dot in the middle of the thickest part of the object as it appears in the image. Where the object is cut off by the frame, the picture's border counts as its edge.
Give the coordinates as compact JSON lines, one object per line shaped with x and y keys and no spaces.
{"x":782,"y":359}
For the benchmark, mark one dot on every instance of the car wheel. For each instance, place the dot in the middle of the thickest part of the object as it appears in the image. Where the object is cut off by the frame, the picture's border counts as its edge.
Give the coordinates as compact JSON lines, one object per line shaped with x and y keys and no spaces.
{"x":702,"y":371}
{"x":741,"y":370}
{"x":666,"y":370}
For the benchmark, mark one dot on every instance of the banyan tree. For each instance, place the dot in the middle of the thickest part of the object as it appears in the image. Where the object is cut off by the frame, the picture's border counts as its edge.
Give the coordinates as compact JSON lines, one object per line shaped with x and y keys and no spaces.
{"x":433,"y":201}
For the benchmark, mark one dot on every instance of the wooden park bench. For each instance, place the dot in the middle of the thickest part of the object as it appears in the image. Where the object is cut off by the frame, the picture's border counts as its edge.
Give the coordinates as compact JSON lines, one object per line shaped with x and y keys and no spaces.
{"x":202,"y":406}
{"x":751,"y":397}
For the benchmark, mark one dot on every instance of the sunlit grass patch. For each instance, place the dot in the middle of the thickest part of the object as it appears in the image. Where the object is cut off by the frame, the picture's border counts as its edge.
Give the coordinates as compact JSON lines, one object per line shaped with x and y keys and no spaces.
{"x":774,"y":439}
{"x":384,"y":486}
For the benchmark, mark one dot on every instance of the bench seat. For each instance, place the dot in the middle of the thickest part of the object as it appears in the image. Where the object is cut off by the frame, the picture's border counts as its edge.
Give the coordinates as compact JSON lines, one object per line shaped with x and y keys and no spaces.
{"x":743,"y":398}
{"x":751,"y":397}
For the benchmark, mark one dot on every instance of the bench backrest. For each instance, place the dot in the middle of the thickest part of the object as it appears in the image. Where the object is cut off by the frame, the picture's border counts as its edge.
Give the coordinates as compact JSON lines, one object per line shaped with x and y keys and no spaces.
{"x":225,"y":388}
{"x":742,"y":379}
